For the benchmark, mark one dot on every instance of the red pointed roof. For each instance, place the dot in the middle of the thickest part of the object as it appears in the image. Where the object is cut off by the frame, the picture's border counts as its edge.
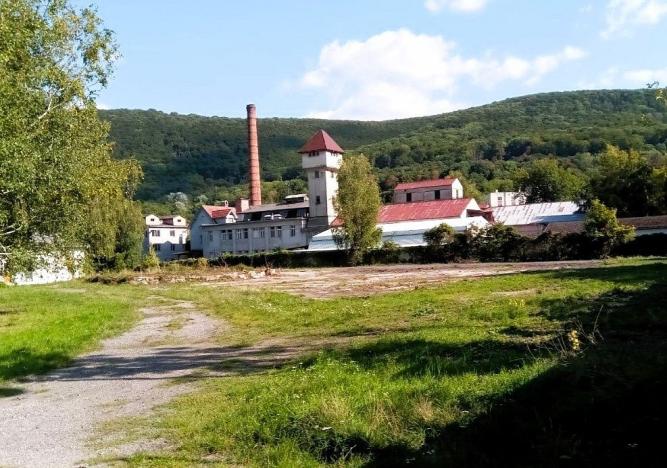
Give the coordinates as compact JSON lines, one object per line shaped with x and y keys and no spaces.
{"x":217,"y":211}
{"x":321,"y":141}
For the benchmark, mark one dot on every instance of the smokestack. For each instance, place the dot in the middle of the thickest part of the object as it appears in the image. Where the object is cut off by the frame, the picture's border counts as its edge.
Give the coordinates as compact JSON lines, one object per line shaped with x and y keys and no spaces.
{"x":253,"y":157}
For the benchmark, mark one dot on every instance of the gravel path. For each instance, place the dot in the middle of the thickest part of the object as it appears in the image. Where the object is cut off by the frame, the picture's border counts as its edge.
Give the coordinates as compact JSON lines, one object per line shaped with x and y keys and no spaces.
{"x":55,"y":420}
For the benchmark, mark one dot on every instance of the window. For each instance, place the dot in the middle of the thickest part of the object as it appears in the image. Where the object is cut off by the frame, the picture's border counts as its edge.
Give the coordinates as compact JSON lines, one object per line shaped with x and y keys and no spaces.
{"x":155,"y":232}
{"x":317,"y":174}
{"x":230,"y":234}
{"x":173,"y":247}
{"x":272,"y":231}
{"x":500,"y":201}
{"x":172,"y":233}
{"x":239,"y":234}
{"x":258,"y":233}
{"x":437,"y":194}
{"x":408,"y":197}
{"x":245,"y":233}
{"x":279,"y":231}
{"x":157,"y":247}
{"x":317,"y":200}
{"x":292,"y":230}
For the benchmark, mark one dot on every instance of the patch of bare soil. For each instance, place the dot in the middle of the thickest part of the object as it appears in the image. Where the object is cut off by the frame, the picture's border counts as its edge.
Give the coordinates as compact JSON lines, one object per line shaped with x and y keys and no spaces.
{"x":54,"y":421}
{"x":366,"y":280}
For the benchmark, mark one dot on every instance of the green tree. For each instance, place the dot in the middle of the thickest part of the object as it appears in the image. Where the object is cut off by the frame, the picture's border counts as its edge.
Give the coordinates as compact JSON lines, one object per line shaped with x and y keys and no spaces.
{"x":59,"y":187}
{"x":357,"y":203}
{"x":624,"y":180}
{"x":603,"y":228}
{"x":439,"y":235}
{"x":545,"y":180}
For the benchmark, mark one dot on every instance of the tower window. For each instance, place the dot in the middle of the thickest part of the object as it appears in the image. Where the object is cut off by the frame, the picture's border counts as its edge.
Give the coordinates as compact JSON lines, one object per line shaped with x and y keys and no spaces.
{"x":317,"y":200}
{"x":437,"y":194}
{"x":408,"y":197}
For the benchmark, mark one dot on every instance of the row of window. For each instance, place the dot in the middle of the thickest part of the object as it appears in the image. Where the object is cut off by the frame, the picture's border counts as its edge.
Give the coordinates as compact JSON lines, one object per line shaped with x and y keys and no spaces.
{"x":157,"y":233}
{"x":317,"y":174}
{"x":257,"y":233}
{"x":437,"y":195}
{"x":158,"y":247}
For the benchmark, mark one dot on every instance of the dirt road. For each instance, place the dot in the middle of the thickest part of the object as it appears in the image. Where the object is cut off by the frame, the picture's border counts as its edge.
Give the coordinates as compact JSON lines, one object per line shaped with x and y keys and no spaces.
{"x":54,"y":421}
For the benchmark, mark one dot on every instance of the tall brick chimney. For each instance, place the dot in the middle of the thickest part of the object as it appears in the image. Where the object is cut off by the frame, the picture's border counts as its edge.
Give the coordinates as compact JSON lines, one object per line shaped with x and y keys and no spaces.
{"x":253,"y":157}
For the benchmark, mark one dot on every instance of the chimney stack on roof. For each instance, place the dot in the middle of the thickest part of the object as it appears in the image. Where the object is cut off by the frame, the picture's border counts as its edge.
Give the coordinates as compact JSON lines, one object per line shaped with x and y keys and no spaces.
{"x":253,"y":157}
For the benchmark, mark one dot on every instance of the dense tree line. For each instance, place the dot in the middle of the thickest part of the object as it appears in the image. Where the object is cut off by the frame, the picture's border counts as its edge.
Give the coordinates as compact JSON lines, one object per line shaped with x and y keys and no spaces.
{"x":556,"y":145}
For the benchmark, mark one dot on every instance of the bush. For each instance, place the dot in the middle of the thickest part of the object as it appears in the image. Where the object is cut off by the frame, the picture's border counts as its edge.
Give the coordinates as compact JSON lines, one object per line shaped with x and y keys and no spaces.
{"x":151,"y":260}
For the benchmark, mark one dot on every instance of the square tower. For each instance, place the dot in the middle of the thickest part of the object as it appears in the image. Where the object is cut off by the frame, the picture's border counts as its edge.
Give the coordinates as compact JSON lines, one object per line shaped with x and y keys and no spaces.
{"x":321,"y":157}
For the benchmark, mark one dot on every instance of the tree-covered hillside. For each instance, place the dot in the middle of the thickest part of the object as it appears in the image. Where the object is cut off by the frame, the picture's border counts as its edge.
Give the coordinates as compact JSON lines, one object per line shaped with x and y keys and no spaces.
{"x":193,"y":154}
{"x":488,"y":144}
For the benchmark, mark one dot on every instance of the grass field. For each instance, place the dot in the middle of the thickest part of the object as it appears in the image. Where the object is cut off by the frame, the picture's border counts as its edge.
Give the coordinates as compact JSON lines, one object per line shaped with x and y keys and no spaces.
{"x":43,"y":327}
{"x":529,"y":369}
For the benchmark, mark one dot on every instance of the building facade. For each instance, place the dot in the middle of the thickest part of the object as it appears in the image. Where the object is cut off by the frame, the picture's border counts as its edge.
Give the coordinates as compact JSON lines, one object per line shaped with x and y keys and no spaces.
{"x":166,"y":235}
{"x":449,"y":188}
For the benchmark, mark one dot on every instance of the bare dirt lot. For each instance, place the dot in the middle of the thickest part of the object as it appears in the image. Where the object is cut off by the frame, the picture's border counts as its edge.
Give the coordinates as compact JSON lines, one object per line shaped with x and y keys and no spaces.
{"x":366,"y":280}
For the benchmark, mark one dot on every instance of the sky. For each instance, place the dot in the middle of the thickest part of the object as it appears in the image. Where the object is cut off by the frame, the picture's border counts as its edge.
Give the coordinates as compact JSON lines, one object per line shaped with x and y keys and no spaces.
{"x":373,"y":59}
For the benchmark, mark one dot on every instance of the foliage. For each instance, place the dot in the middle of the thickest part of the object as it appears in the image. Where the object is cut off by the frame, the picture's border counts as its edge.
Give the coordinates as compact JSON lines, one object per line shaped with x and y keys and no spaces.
{"x":497,"y":242}
{"x":151,"y":260}
{"x":439,"y":235}
{"x":455,"y":364}
{"x":357,"y":204}
{"x":546,"y":180}
{"x":602,"y":227}
{"x":43,"y":327}
{"x":487,"y":145}
{"x":626,"y":181}
{"x":60,"y":189}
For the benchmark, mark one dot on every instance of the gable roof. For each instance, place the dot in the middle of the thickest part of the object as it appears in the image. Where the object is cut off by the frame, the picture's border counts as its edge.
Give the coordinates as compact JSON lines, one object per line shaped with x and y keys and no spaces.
{"x":446,"y":182}
{"x":321,"y":141}
{"x":433,"y":209}
{"x":217,"y":211}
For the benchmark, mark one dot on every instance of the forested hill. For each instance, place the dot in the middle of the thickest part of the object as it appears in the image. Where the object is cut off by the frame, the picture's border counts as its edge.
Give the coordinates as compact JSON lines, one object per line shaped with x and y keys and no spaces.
{"x":191,"y":153}
{"x":195,"y":154}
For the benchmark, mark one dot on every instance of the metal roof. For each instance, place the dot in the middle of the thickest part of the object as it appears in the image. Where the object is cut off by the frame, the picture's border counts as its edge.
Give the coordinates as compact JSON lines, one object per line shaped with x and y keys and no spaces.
{"x":446,"y":182}
{"x":277,"y":207}
{"x":433,"y":209}
{"x":532,"y":213}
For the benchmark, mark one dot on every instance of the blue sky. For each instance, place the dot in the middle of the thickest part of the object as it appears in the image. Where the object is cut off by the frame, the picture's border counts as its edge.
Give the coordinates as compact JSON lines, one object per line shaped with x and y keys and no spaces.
{"x":374,"y":59}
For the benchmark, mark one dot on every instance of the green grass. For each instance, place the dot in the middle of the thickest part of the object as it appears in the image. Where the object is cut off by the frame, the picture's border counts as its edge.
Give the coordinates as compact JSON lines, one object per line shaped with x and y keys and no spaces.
{"x":476,"y":372}
{"x":44,"y":327}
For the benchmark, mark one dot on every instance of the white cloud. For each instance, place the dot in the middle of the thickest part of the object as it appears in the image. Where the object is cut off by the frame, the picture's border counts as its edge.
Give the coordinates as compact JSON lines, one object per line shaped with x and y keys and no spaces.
{"x":645,"y":76}
{"x":624,"y":15}
{"x":402,"y":74}
{"x":465,"y":6}
{"x":608,"y":79}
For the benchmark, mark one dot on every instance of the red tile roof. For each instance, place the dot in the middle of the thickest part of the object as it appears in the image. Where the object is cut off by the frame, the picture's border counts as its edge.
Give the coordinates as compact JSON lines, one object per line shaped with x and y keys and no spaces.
{"x":446,"y":182}
{"x":434,"y":209}
{"x":321,"y":141}
{"x":216,"y":211}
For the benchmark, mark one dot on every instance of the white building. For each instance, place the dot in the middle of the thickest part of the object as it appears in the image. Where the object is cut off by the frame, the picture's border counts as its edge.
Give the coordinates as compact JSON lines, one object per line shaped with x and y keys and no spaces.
{"x":286,"y":225}
{"x":405,"y":222}
{"x":497,"y":199}
{"x":166,"y":235}
{"x":209,"y":214}
{"x":260,"y":228}
{"x":321,"y":158}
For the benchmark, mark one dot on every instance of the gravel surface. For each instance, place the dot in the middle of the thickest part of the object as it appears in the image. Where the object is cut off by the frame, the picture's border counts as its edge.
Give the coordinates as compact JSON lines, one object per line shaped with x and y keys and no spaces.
{"x":320,"y":283}
{"x":54,"y":421}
